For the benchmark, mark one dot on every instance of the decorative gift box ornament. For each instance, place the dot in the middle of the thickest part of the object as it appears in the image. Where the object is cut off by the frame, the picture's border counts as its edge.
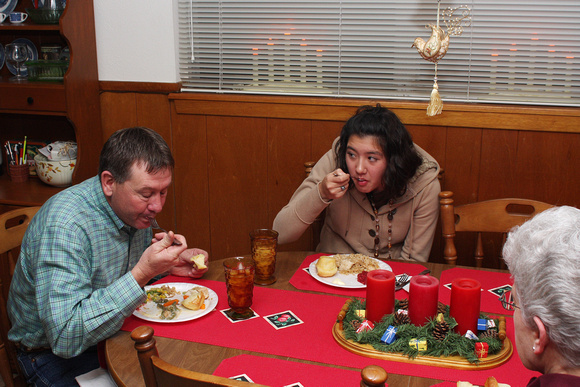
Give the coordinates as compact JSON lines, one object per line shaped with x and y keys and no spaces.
{"x":361,"y":313}
{"x":481,"y":324}
{"x":390,"y":335}
{"x":419,"y":344}
{"x":470,"y":335}
{"x":365,"y":326}
{"x":491,"y":324}
{"x":481,"y":349}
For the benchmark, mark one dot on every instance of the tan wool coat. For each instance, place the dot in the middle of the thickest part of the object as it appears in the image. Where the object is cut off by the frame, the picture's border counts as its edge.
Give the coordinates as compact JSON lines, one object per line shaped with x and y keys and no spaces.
{"x":349,"y":226}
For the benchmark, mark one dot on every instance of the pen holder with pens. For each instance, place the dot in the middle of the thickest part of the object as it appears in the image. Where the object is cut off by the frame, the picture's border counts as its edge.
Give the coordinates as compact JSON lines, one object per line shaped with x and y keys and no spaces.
{"x":18,"y":173}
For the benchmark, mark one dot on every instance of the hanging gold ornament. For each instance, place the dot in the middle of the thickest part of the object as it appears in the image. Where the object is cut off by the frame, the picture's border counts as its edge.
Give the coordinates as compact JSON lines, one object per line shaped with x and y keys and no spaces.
{"x":437,"y":45}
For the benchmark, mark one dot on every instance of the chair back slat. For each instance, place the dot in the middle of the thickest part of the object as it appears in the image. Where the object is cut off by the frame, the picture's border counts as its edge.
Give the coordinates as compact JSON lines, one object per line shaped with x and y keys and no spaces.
{"x":497,"y":215}
{"x":159,"y":373}
{"x":490,"y":216}
{"x":13,"y":225}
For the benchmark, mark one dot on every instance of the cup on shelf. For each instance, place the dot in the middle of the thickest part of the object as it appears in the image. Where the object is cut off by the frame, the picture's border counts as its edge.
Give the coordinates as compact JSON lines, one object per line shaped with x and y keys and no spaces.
{"x":18,"y":17}
{"x":3,"y":17}
{"x":18,"y":173}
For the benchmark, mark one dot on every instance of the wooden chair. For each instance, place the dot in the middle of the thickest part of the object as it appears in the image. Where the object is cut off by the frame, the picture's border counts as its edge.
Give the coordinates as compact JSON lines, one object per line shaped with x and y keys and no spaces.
{"x":12,"y":227}
{"x":494,"y":216}
{"x":316,"y":226}
{"x":159,"y":373}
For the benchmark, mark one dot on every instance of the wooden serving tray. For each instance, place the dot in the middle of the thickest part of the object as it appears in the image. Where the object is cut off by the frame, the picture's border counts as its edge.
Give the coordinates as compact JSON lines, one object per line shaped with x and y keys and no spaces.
{"x":455,"y":362}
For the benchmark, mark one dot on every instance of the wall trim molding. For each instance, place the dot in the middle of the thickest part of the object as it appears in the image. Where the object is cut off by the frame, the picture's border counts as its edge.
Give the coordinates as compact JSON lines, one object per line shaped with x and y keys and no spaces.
{"x":487,"y":116}
{"x":140,"y":87}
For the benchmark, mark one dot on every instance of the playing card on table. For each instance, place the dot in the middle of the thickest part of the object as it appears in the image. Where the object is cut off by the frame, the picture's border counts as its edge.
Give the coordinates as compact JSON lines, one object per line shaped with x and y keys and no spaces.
{"x":500,"y":290}
{"x":236,"y":321}
{"x":283,"y":319}
{"x":242,"y":378}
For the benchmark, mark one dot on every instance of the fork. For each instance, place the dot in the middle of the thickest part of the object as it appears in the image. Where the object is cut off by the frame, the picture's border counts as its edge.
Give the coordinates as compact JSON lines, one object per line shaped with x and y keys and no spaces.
{"x":401,"y":281}
{"x":155,"y":225}
{"x":404,"y":279}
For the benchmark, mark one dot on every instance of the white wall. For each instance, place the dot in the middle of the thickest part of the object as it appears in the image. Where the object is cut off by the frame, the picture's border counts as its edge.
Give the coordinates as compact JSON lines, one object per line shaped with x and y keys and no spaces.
{"x":137,"y":40}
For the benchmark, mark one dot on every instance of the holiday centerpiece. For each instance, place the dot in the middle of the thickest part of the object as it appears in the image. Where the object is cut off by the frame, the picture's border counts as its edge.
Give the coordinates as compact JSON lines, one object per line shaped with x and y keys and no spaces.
{"x":444,"y":336}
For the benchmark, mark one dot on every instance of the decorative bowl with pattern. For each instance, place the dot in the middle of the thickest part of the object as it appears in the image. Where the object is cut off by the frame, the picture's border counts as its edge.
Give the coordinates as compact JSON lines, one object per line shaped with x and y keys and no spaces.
{"x":56,"y":173}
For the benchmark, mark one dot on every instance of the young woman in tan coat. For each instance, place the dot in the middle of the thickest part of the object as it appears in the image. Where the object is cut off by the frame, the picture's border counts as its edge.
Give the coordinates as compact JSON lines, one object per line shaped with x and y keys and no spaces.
{"x":380,"y":192}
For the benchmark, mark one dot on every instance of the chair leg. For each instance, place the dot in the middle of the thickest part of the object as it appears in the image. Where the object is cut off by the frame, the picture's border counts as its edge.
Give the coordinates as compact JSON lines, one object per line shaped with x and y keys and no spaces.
{"x":448,"y":227}
{"x":479,"y":251}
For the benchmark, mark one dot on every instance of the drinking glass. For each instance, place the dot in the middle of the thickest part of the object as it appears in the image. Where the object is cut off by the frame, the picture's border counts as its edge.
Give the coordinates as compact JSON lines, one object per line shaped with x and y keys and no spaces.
{"x":264,"y":243}
{"x":239,"y":272}
{"x":17,"y":53}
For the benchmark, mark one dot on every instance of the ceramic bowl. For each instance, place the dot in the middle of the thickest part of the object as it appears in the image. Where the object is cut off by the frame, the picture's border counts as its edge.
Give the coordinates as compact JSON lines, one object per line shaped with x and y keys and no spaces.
{"x":56,"y":173}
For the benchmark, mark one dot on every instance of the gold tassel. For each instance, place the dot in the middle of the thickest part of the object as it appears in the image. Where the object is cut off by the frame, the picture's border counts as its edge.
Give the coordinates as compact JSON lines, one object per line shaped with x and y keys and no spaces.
{"x":435,"y":104}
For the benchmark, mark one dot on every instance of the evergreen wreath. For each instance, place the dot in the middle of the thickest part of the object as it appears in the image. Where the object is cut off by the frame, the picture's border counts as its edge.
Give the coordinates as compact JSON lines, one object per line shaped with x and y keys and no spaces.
{"x":453,"y":344}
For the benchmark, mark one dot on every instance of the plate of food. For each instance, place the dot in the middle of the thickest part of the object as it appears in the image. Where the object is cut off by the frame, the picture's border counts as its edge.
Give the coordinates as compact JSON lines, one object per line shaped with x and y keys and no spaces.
{"x":176,"y":302}
{"x":345,"y":270}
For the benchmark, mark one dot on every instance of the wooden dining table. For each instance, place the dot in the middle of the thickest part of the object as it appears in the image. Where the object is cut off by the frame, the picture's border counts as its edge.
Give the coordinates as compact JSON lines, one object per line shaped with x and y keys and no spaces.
{"x":124,"y":367}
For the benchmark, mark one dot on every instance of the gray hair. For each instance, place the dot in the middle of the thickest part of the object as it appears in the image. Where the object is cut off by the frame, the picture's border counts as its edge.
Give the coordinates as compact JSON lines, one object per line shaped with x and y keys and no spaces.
{"x":543,"y":256}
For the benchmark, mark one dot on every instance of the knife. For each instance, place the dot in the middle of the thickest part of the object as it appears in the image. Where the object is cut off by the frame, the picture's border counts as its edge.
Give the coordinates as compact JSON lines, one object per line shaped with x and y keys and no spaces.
{"x":426,"y":271}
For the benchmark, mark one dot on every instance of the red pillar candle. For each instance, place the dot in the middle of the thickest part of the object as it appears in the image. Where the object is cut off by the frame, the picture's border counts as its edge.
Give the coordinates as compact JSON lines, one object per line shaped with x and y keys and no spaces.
{"x":380,"y":294}
{"x":464,"y":304}
{"x":423,"y":297}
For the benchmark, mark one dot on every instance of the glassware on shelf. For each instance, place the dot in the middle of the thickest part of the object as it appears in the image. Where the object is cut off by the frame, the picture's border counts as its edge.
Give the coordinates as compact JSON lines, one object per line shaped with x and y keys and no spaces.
{"x":17,"y":53}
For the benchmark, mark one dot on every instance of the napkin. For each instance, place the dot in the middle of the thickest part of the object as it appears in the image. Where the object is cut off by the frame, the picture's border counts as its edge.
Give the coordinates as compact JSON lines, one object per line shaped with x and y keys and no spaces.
{"x":406,"y":287}
{"x":96,"y":378}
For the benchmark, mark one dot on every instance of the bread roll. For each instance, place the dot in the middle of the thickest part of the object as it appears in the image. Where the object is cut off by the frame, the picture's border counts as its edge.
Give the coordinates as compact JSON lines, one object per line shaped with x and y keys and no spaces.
{"x":195,"y":299}
{"x":199,"y":261}
{"x":326,"y":266}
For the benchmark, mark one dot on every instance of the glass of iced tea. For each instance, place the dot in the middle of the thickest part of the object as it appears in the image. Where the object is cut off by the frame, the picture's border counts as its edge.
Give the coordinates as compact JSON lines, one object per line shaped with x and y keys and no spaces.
{"x":264,"y":244}
{"x":239,"y":273}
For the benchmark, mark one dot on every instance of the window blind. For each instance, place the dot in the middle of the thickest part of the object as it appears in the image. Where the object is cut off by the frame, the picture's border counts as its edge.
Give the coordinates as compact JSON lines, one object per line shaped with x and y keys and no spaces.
{"x":514,"y":51}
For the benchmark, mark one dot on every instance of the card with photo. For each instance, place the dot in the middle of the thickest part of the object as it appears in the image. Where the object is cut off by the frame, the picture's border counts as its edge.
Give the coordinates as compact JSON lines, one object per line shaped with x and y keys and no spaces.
{"x":223,"y":311}
{"x":501,"y":290}
{"x":283,"y":319}
{"x":242,"y":378}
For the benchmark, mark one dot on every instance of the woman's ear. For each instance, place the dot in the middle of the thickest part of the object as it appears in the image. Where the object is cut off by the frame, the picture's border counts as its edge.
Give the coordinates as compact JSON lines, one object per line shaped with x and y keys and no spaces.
{"x":541,"y":338}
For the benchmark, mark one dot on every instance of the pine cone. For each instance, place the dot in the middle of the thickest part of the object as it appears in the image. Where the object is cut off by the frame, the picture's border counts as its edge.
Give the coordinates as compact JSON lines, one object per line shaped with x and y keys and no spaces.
{"x":402,"y":318}
{"x":492,"y":333}
{"x":403,"y":304}
{"x":441,"y":308}
{"x":440,"y":330}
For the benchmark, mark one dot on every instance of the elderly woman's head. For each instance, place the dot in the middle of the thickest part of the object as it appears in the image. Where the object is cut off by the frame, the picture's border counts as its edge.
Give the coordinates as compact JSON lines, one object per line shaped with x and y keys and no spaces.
{"x":543,"y":256}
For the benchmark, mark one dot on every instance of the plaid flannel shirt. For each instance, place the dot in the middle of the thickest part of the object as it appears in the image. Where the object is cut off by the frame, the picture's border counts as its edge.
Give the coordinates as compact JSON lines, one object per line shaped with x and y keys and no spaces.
{"x":72,"y":285}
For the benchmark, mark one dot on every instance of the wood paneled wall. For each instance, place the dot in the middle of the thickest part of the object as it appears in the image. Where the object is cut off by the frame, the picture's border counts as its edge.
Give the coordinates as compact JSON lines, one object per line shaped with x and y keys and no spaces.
{"x":239,"y":158}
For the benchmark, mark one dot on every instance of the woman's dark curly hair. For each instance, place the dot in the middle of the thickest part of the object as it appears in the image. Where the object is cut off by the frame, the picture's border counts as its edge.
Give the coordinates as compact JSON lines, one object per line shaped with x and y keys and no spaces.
{"x":394,"y":140}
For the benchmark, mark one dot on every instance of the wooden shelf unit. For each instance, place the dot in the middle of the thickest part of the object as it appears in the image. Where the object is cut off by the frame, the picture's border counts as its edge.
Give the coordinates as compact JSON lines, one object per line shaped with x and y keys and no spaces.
{"x":52,"y":111}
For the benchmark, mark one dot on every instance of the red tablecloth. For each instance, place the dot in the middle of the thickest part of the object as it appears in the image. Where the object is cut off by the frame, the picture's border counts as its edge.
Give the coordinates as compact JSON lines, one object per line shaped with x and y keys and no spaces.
{"x":312,"y":340}
{"x":304,"y":281}
{"x":279,"y":373}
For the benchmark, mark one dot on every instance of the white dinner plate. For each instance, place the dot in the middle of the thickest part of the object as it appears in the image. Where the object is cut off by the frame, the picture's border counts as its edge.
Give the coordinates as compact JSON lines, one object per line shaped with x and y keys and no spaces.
{"x":32,"y":52}
{"x":338,"y":280}
{"x":150,"y":312}
{"x":7,"y":6}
